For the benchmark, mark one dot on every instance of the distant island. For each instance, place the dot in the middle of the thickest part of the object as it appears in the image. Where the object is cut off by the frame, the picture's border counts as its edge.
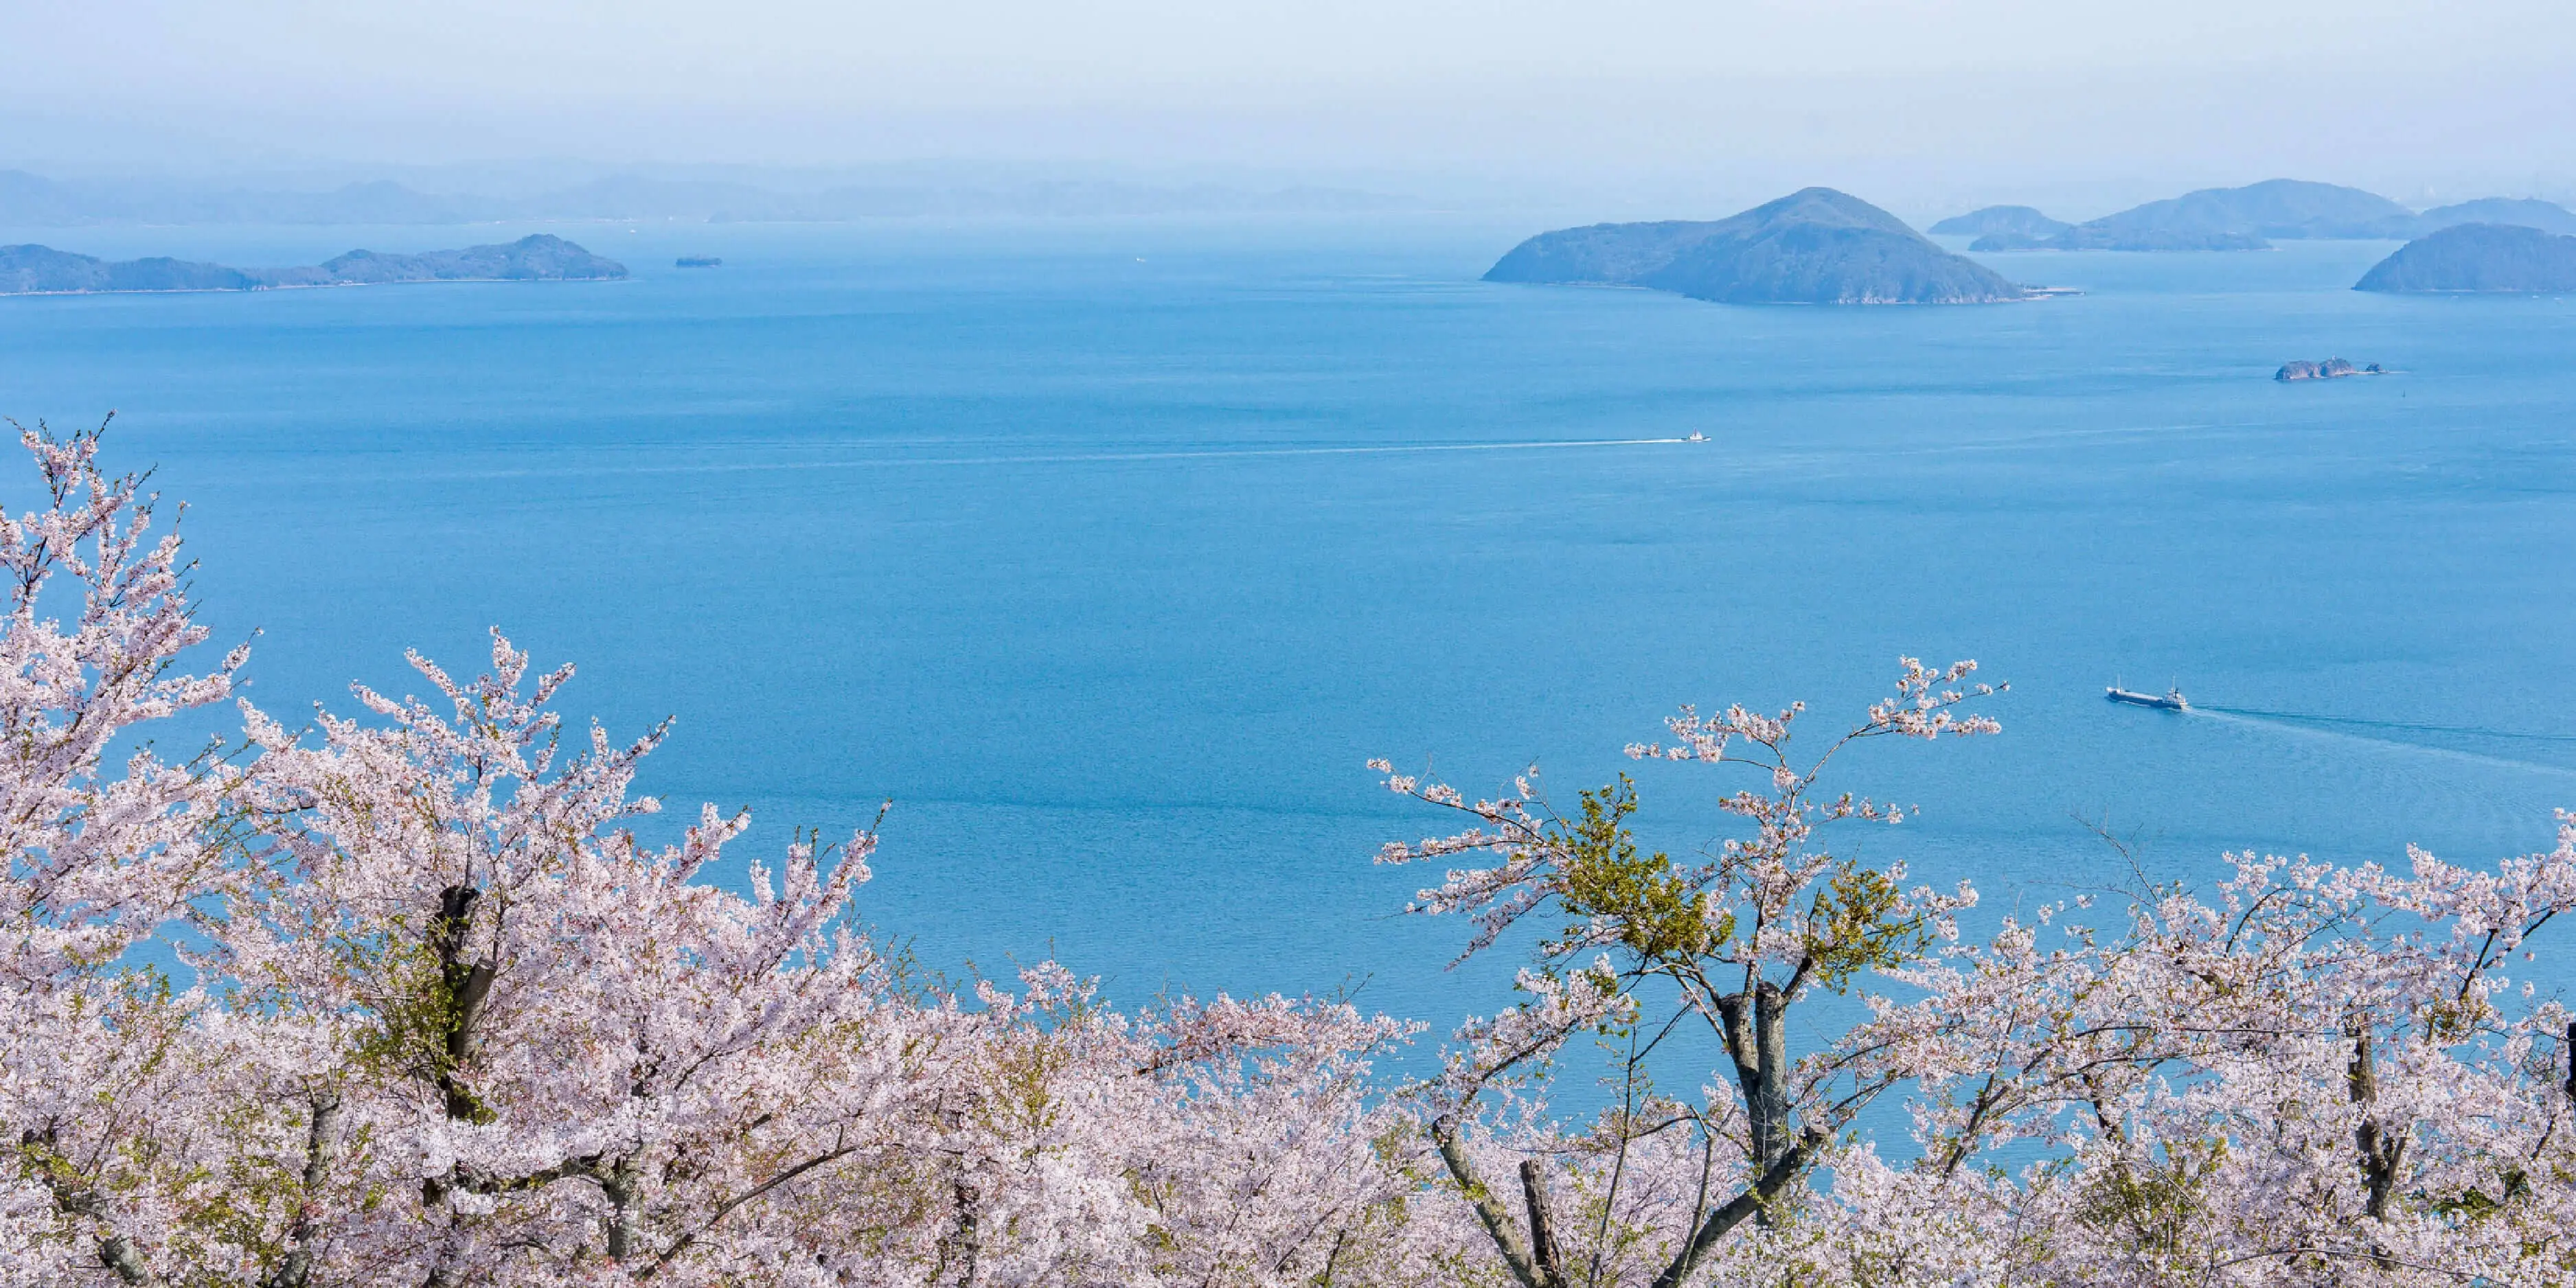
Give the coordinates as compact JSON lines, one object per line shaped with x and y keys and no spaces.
{"x":2226,"y":219}
{"x":1814,"y":246}
{"x":2086,"y":237}
{"x":2523,"y":212}
{"x":2330,"y":369}
{"x":2001,"y":221}
{"x":691,"y":194}
{"x":2247,"y":218}
{"x":2478,"y":258}
{"x":42,"y":270}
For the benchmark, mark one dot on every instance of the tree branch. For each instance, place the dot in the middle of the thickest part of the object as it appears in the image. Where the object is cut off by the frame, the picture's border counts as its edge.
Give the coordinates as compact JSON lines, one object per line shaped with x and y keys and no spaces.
{"x":1740,"y":1209}
{"x":689,"y":1239}
{"x":1489,"y":1211}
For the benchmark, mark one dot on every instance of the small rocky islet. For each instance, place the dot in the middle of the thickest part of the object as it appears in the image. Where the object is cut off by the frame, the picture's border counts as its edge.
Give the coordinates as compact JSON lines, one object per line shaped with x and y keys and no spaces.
{"x":41,"y":270}
{"x":2330,"y":369}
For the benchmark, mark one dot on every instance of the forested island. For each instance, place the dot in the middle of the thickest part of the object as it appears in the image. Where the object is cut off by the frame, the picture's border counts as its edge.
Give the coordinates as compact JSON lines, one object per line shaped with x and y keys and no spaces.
{"x":2247,"y":218}
{"x":2523,"y":212}
{"x":2001,"y":221}
{"x":2478,"y":258}
{"x":42,"y":270}
{"x":1814,"y":246}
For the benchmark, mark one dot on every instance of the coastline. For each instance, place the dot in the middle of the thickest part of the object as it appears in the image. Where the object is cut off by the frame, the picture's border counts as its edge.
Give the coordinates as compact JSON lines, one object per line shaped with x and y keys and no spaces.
{"x":322,"y":286}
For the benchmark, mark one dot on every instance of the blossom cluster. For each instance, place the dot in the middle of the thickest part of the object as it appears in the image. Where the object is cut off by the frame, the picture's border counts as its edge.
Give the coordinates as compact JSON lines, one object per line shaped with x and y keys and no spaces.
{"x":403,"y":999}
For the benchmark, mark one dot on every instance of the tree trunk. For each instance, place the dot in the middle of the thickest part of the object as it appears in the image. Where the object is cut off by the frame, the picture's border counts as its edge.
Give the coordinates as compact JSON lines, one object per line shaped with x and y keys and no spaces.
{"x":118,"y":1255}
{"x":467,"y":984}
{"x":74,"y":1194}
{"x":321,"y":1146}
{"x":624,"y":1218}
{"x":970,"y":1241}
{"x":1756,"y":1025}
{"x":1769,"y":1105}
{"x":2381,"y":1150}
{"x":1542,"y":1226}
{"x":2569,"y":1047}
{"x":1489,"y":1210}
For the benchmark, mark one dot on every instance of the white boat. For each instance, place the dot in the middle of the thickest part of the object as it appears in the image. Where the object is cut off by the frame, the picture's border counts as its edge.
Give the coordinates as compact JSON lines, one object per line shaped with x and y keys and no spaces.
{"x":2171,"y":701}
{"x":1696,"y":437}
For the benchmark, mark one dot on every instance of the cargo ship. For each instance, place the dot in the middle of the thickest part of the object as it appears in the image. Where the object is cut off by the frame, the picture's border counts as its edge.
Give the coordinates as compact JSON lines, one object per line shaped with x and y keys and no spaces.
{"x":2171,"y":701}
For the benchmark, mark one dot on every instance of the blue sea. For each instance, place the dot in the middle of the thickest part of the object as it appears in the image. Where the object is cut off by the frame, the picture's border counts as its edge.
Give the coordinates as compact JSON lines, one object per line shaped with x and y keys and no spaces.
{"x":1110,"y":551}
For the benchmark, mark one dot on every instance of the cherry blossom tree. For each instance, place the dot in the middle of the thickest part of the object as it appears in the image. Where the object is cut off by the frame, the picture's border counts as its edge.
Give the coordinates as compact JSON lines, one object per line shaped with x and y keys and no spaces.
{"x":551,"y":1030}
{"x":429,"y":1012}
{"x":2321,"y":1075}
{"x":585,"y":1059}
{"x":1730,"y":944}
{"x":105,"y":842}
{"x":2316,"y":1075}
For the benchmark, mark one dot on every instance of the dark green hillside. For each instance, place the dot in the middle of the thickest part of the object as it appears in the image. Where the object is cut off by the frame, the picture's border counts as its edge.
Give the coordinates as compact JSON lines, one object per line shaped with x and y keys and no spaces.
{"x":1814,"y":246}
{"x":2547,"y":216}
{"x":541,"y":258}
{"x":2486,"y":258}
{"x":39,"y":270}
{"x":2241,"y":219}
{"x":2001,"y":221}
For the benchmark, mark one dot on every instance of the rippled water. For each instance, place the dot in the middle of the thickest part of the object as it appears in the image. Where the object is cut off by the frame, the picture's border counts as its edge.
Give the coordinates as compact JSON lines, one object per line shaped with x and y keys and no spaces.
{"x":1111,"y":551}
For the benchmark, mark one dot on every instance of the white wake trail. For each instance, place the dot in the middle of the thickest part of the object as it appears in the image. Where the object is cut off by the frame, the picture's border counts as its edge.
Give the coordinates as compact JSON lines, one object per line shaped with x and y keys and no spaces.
{"x":2292,"y":726}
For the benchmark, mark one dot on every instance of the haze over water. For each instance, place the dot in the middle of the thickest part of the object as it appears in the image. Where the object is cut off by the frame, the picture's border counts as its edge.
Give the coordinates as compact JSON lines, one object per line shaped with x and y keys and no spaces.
{"x":1111,"y":551}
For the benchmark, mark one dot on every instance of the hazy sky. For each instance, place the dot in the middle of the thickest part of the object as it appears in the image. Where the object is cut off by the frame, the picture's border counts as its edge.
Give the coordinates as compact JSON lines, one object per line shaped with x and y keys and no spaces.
{"x":1964,"y":96}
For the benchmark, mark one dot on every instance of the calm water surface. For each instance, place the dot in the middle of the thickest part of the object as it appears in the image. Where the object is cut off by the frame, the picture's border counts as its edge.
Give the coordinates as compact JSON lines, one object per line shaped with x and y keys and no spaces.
{"x":1110,"y":552}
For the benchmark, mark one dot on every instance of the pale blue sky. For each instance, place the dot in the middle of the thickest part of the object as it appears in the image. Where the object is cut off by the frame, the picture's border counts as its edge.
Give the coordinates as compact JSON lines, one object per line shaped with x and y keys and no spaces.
{"x":2415,"y":98}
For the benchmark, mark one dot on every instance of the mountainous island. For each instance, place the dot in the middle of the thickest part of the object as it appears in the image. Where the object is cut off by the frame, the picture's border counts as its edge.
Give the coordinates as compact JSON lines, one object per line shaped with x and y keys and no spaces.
{"x":42,"y":270}
{"x":2525,"y":212}
{"x":2227,"y":219}
{"x":1814,"y":246}
{"x":2002,"y":221}
{"x":2247,"y":218}
{"x":2482,"y":258}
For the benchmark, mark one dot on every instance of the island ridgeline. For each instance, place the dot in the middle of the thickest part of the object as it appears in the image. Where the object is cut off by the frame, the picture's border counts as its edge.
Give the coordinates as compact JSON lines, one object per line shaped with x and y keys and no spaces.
{"x":1814,"y":246}
{"x":2478,"y":259}
{"x":2001,"y":221}
{"x":2248,"y":218}
{"x":543,"y":257}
